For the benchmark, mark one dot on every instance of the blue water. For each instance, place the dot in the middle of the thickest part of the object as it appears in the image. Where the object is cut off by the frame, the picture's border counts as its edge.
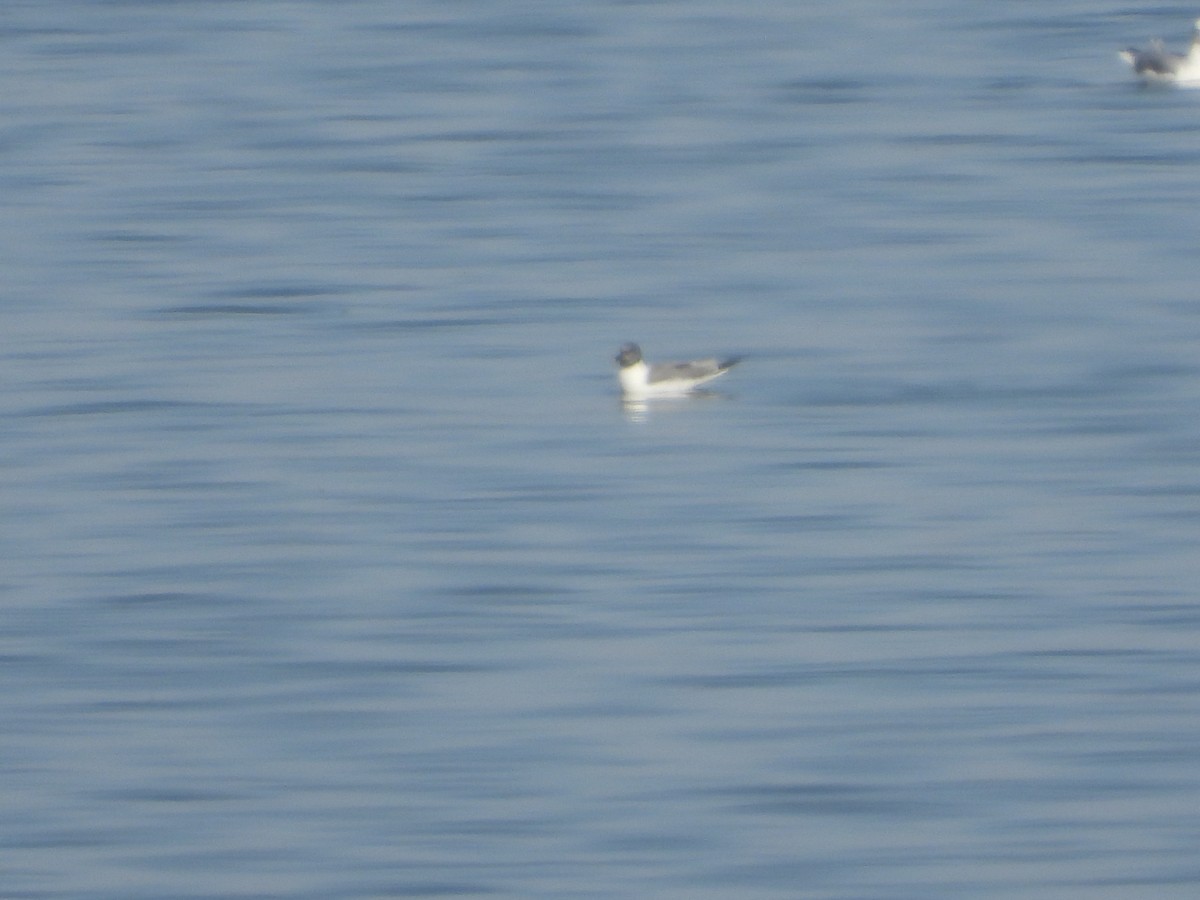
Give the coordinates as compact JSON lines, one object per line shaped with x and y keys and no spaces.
{"x":331,"y":565}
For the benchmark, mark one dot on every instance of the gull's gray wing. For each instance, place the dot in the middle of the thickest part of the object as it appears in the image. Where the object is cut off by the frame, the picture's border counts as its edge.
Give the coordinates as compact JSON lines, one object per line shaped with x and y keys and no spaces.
{"x":696,"y":370}
{"x":1155,"y":59}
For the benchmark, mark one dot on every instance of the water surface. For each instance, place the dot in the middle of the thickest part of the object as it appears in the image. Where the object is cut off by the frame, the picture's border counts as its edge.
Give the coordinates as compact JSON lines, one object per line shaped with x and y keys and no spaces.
{"x":333,"y":566}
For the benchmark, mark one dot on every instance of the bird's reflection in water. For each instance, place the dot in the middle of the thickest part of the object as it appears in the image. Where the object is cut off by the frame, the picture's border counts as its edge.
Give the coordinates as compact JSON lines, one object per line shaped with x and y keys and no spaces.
{"x":639,"y":410}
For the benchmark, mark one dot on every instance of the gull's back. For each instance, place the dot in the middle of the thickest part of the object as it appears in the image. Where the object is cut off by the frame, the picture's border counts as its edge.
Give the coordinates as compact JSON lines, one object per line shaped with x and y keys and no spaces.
{"x":690,"y":371}
{"x":696,"y":371}
{"x":1154,"y":60}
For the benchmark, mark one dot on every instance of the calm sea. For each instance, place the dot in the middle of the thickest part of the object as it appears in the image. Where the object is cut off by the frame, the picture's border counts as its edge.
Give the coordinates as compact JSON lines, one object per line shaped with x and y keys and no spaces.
{"x":331,"y":565}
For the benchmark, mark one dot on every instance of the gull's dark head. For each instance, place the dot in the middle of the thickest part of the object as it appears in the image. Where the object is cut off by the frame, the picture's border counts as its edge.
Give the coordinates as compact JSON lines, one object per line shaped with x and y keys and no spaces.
{"x":630,"y":354}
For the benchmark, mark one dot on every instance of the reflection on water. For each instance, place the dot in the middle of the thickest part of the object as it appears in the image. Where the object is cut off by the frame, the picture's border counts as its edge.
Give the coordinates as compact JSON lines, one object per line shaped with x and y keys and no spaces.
{"x":641,"y":410}
{"x":635,"y":410}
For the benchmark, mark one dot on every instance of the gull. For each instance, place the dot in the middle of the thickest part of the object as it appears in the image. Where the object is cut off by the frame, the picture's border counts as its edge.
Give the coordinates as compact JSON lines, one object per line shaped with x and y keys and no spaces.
{"x":1156,"y":63}
{"x":641,"y":381}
